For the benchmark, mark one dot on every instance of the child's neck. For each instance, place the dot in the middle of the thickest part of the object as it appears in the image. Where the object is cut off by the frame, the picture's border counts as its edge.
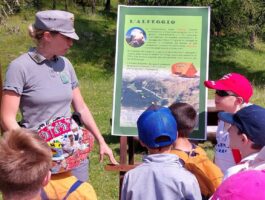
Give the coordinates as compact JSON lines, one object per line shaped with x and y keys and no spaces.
{"x":34,"y":196}
{"x":236,"y":108}
{"x":247,"y":152}
{"x":183,"y":144}
{"x":160,"y":150}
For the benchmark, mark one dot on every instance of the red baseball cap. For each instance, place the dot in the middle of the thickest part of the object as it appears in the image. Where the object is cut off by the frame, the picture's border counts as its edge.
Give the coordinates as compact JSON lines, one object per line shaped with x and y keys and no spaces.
{"x":246,"y":185}
{"x":233,"y":82}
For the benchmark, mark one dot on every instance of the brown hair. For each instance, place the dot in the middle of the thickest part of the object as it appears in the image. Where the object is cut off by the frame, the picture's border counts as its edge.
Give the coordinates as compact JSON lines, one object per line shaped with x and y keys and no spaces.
{"x":185,"y":116}
{"x":25,"y":160}
{"x":37,"y":34}
{"x":253,"y":145}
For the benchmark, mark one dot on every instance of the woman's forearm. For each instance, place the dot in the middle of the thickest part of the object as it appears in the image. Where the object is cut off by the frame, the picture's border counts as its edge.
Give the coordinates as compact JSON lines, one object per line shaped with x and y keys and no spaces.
{"x":9,"y":108}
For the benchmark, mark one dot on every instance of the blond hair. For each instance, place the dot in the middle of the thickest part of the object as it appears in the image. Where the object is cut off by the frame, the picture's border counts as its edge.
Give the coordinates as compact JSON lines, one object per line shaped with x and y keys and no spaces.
{"x":25,"y":160}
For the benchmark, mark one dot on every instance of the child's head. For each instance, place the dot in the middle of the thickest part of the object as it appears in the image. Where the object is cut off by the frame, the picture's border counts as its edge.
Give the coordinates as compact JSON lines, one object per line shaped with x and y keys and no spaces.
{"x":247,"y":128}
{"x":232,"y":90}
{"x":157,"y":127}
{"x":185,"y":116}
{"x":25,"y":160}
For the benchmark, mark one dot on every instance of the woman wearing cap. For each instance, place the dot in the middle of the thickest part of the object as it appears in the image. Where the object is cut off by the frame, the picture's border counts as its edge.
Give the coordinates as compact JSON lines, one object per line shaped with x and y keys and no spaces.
{"x":43,"y":84}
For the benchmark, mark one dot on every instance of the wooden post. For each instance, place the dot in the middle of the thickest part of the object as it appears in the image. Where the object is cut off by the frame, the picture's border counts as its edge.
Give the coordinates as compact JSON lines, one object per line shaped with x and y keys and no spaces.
{"x":123,"y":150}
{"x":1,"y":86}
{"x":126,"y":147}
{"x":123,"y":159}
{"x":131,"y":150}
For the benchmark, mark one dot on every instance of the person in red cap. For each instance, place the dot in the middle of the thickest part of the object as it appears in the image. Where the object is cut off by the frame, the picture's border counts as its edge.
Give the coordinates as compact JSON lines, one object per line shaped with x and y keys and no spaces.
{"x":232,"y":92}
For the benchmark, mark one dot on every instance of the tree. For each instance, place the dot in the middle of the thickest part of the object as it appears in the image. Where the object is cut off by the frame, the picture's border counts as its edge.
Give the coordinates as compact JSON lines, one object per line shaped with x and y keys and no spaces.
{"x":242,"y":17}
{"x":107,"y":5}
{"x":53,"y":4}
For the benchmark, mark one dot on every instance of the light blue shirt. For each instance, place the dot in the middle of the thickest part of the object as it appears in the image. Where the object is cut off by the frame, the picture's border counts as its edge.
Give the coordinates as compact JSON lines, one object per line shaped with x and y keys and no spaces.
{"x":160,"y":177}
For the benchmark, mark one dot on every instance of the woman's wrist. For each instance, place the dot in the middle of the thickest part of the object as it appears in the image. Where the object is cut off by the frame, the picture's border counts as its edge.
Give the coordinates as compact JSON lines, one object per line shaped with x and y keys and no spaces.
{"x":101,"y":142}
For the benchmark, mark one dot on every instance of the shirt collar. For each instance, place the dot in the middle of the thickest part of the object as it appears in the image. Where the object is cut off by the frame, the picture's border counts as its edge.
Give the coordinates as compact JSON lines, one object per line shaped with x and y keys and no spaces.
{"x":248,"y":158}
{"x":38,"y":58}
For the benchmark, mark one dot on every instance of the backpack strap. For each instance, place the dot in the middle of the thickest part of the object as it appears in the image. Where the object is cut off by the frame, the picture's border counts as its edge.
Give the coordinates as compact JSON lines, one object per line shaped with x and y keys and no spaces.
{"x":76,"y":184}
{"x":199,"y":151}
{"x":73,"y":188}
{"x":43,"y":195}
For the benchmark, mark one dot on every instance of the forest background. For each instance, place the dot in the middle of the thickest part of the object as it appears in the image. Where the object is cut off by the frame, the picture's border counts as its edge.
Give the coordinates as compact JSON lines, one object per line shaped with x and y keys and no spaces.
{"x":237,"y":45}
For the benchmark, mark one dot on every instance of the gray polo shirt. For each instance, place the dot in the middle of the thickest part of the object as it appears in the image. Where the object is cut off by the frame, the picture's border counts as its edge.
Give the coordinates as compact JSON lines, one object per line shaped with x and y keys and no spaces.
{"x":45,"y":87}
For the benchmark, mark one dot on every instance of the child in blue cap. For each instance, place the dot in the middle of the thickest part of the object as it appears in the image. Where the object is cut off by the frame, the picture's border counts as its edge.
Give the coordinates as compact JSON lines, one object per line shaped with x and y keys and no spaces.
{"x":246,"y":134}
{"x":161,"y":175}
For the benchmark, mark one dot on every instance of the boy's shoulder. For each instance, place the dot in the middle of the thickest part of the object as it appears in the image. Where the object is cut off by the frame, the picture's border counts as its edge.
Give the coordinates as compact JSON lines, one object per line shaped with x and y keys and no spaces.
{"x":159,"y":163}
{"x":61,"y":183}
{"x":207,"y":173}
{"x":168,"y":179}
{"x":196,"y":151}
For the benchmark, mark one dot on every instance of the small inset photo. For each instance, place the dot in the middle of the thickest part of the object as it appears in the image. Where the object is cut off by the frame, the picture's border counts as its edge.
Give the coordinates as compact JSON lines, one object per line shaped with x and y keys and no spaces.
{"x":135,"y":37}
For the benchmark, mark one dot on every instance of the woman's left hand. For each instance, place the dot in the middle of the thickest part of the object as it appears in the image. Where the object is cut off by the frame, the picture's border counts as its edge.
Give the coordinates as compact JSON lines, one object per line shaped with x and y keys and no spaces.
{"x":104,"y":149}
{"x":80,"y":106}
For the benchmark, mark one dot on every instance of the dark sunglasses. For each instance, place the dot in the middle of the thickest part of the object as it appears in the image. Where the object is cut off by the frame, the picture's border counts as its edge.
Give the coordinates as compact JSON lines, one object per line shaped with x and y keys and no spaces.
{"x":223,"y":93}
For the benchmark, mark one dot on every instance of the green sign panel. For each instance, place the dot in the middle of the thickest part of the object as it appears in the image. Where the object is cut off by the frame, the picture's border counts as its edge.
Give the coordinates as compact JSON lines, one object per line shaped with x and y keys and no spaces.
{"x":161,"y":58}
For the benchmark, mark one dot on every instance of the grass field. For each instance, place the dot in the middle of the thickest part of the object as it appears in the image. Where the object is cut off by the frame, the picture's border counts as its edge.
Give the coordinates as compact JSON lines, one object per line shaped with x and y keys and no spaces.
{"x":93,"y":58}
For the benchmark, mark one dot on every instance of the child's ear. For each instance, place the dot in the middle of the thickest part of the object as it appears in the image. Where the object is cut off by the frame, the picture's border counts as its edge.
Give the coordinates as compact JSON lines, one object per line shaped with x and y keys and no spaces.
{"x":46,"y":179}
{"x":239,"y":100}
{"x":244,"y":138}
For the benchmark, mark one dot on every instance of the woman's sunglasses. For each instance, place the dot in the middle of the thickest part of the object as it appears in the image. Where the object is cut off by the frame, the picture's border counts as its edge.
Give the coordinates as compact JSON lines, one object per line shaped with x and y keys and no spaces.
{"x":223,"y":93}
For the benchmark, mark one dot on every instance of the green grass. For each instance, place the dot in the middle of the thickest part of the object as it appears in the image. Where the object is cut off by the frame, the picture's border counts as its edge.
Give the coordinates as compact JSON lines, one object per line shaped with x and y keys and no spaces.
{"x":93,"y":58}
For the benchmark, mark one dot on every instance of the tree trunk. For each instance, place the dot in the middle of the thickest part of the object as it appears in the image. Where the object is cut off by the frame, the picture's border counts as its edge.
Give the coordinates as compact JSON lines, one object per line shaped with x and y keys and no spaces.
{"x":93,"y":6}
{"x":252,"y":33}
{"x":53,"y":4}
{"x":107,"y":6}
{"x":65,"y":5}
{"x":37,"y":4}
{"x":83,"y":5}
{"x":252,"y":39}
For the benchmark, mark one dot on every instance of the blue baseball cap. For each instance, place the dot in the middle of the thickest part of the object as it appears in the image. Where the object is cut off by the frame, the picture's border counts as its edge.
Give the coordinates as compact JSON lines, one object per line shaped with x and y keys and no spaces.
{"x":155,"y":122}
{"x":249,"y":120}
